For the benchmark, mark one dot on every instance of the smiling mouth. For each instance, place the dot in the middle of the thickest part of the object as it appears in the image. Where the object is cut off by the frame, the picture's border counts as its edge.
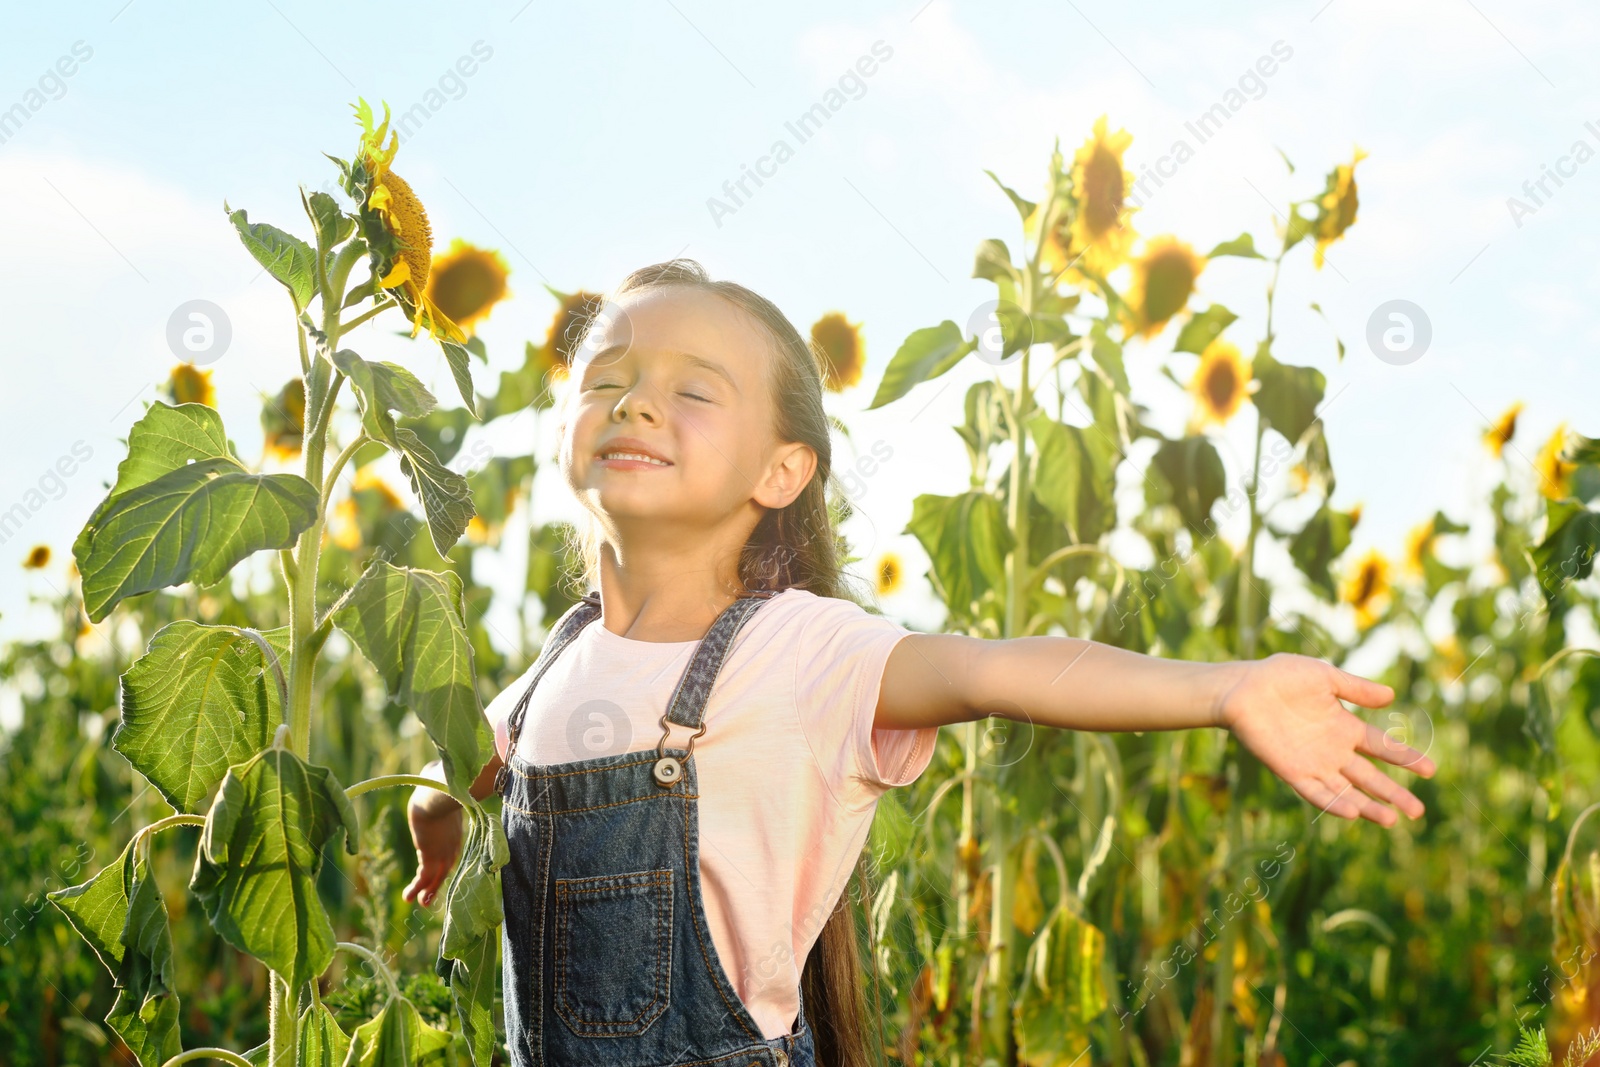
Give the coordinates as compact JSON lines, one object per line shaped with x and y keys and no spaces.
{"x":631,"y":457}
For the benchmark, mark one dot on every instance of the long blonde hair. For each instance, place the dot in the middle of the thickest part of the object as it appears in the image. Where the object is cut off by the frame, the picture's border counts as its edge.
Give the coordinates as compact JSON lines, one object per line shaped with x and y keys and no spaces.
{"x":792,"y":547}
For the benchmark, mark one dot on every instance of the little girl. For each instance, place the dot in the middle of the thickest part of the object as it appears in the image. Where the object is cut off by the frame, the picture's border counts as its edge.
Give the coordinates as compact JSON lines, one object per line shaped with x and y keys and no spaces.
{"x":688,"y":790}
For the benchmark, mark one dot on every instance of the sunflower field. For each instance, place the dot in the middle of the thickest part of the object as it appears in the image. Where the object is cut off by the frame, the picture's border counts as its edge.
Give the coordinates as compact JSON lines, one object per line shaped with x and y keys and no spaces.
{"x":203,"y":840}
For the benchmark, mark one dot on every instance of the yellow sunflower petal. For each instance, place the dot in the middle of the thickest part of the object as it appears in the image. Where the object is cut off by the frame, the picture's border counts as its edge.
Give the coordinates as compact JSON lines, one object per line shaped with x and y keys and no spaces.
{"x":1504,"y":429}
{"x":1100,"y":188}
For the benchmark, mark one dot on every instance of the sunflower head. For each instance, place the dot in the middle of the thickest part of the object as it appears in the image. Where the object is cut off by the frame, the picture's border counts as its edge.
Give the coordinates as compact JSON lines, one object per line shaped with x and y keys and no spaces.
{"x":1336,"y":207}
{"x":1555,"y":473}
{"x":395,"y":226}
{"x":1496,"y":437}
{"x":38,"y":558}
{"x":283,"y":420}
{"x":838,"y":341}
{"x":1163,"y":281}
{"x":568,"y":326}
{"x":1419,"y":542}
{"x":889,"y":573}
{"x":1220,"y":383}
{"x":188,"y":384}
{"x":1099,"y":197}
{"x":466,"y":282}
{"x":1367,"y":588}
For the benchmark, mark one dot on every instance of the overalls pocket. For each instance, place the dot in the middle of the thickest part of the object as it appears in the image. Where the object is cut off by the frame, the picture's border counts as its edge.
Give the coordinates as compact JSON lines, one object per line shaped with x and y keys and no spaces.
{"x":613,"y":951}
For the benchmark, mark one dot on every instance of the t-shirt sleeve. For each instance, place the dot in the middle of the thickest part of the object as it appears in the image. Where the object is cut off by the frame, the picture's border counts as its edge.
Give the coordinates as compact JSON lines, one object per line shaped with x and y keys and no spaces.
{"x":841,"y":652}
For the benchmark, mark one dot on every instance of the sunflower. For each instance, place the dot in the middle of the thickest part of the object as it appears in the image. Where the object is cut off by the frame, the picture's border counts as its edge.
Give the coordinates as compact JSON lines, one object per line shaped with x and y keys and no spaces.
{"x":1163,"y":281}
{"x":568,"y":326}
{"x":1100,"y":190}
{"x":283,"y":420}
{"x":1355,"y":515}
{"x":1419,"y":542}
{"x":1220,"y":383}
{"x":188,"y":384}
{"x":1336,"y":208}
{"x":1367,"y":588}
{"x":38,"y":558}
{"x":1555,"y":473}
{"x":396,"y":227}
{"x":1504,"y":429}
{"x":466,"y":282}
{"x":838,"y":341}
{"x":889,"y":573}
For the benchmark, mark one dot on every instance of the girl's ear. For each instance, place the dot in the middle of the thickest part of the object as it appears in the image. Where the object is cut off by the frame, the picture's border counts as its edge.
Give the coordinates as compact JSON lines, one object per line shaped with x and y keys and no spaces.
{"x":792,"y":469}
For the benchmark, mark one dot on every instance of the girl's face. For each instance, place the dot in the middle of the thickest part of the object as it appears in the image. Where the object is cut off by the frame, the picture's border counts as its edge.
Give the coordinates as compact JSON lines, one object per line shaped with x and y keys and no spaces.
{"x":680,"y":375}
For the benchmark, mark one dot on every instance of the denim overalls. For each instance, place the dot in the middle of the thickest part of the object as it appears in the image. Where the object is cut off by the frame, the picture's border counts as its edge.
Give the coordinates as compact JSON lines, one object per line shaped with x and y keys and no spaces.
{"x":607,"y":958}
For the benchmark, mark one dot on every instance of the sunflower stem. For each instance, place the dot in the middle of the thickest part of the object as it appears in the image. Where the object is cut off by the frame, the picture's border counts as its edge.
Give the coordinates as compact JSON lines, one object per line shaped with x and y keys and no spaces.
{"x":338,"y":465}
{"x":283,"y":1045}
{"x":370,"y":313}
{"x":300,"y":335}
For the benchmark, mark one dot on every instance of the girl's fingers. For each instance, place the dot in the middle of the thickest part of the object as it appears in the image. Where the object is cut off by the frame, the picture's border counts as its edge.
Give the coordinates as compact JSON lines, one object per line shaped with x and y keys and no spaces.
{"x":1380,"y":745}
{"x":1362,"y":691}
{"x":1326,"y":799}
{"x":1381,"y":787}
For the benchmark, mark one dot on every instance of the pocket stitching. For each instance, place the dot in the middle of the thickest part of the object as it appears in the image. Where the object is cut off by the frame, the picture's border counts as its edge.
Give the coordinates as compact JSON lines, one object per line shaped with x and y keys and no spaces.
{"x":652,"y":882}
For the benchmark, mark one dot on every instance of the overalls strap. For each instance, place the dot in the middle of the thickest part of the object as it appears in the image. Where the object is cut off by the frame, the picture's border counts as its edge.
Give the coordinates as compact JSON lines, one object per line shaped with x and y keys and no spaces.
{"x":581,"y":614}
{"x":689,"y":699}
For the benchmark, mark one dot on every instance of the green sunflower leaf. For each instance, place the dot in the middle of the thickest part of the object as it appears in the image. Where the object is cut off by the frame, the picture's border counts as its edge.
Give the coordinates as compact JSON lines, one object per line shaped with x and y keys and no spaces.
{"x":1288,"y":396}
{"x":121,"y":914}
{"x":1203,"y":328}
{"x":384,"y":390}
{"x":1074,"y":476}
{"x":470,"y":942}
{"x":967,"y":539}
{"x":459,"y":358}
{"x":924,"y":355}
{"x":192,"y":524}
{"x":200,"y":699}
{"x":1243,"y":246}
{"x":1194,"y":473}
{"x":397,"y":1037}
{"x":1320,"y":541}
{"x":446,"y":496}
{"x":322,"y":1043}
{"x":285,"y":256}
{"x":409,"y":624}
{"x":255,"y":870}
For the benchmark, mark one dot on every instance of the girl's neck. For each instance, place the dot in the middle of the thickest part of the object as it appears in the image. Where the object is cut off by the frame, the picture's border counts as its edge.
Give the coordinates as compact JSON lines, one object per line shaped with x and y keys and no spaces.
{"x":663,"y":607}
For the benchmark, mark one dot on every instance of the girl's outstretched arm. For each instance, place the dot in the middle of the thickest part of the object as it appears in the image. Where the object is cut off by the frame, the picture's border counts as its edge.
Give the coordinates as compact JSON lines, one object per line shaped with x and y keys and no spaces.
{"x":1284,"y":708}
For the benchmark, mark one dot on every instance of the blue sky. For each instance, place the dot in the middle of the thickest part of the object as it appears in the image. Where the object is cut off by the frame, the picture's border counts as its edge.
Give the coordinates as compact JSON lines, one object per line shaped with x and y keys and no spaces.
{"x":587,"y":143}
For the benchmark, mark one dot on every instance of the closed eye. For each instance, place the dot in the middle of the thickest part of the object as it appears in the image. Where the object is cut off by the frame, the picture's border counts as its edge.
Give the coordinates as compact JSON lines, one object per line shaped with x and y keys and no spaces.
{"x":695,"y":396}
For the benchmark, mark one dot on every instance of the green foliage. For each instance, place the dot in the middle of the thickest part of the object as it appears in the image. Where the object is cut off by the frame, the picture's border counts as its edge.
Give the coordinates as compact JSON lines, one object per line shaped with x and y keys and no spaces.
{"x":409,"y":624}
{"x":259,"y":855}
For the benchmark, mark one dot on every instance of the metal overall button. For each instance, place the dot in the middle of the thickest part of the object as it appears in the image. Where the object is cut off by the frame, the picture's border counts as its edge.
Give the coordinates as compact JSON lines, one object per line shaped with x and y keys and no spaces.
{"x":668,"y":770}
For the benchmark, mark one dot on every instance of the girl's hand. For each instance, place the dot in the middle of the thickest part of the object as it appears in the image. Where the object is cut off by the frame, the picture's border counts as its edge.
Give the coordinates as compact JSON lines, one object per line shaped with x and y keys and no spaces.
{"x":1286,"y":710}
{"x":438,"y":841}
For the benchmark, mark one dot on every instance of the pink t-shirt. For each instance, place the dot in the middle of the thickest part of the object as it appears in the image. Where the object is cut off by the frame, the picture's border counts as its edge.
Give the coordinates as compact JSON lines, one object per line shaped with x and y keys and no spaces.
{"x":790,"y":767}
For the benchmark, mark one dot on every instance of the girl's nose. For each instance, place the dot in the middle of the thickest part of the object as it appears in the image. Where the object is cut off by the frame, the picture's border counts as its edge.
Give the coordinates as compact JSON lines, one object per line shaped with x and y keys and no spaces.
{"x":639,"y":401}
